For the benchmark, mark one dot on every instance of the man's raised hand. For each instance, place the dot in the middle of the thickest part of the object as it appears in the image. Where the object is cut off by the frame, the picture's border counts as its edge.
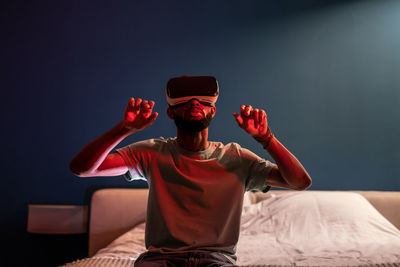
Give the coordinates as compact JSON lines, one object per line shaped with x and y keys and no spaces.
{"x":253,"y":121}
{"x":139,"y":114}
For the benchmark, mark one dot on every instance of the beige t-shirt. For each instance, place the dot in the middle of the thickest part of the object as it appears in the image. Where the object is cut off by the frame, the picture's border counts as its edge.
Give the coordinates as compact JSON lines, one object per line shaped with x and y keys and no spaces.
{"x":195,"y":198}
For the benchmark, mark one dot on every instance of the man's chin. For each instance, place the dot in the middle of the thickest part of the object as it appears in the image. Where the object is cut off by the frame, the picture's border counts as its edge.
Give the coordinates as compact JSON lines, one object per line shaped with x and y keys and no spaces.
{"x":194,"y":124}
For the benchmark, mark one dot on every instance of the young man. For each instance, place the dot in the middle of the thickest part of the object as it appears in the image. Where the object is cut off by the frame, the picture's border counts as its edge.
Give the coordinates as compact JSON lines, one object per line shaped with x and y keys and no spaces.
{"x":196,"y":186}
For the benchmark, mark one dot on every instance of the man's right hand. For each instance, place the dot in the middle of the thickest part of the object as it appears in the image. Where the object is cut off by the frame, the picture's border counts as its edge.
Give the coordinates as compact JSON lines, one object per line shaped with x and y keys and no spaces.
{"x":138,"y":114}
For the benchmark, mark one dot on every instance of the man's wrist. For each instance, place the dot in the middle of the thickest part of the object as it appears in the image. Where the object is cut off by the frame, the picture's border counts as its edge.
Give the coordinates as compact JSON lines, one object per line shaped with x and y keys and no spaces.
{"x":124,"y":130}
{"x":264,"y":140}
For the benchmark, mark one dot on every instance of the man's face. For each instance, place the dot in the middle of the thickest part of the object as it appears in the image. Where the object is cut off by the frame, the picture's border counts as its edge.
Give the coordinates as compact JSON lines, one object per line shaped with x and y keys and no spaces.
{"x":192,"y":116}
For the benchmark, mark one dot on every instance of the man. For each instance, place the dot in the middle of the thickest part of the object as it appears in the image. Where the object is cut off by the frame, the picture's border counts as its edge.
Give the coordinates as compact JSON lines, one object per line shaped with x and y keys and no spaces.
{"x":196,"y":186}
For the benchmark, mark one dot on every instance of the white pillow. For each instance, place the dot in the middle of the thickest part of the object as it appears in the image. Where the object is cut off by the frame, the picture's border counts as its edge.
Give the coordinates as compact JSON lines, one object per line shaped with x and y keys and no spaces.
{"x":316,"y":228}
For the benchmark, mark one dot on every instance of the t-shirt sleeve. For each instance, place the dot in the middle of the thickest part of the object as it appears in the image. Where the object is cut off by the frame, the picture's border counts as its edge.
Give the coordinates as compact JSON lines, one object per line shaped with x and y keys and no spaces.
{"x":258,"y":170}
{"x":134,"y":156}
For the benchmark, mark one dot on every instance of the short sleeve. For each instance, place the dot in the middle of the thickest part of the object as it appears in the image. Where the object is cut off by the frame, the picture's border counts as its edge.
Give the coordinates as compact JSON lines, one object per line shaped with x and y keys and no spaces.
{"x":258,"y":170}
{"x":135,"y":157}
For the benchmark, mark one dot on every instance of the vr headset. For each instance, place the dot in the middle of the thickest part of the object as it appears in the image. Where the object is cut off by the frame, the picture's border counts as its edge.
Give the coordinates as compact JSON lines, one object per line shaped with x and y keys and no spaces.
{"x":182,"y":89}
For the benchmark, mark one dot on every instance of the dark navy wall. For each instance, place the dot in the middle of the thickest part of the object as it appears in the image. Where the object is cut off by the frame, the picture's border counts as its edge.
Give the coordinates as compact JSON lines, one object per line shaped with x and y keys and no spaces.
{"x":326,"y":72}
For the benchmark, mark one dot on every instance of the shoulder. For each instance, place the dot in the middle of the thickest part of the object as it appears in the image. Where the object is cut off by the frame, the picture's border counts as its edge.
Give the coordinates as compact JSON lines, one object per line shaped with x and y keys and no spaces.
{"x":148,"y":144}
{"x":237,"y":149}
{"x":234,"y":150}
{"x":247,"y":155}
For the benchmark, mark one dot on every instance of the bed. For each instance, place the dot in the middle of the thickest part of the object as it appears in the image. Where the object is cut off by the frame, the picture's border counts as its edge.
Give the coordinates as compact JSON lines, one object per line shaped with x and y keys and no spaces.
{"x":278,"y":228}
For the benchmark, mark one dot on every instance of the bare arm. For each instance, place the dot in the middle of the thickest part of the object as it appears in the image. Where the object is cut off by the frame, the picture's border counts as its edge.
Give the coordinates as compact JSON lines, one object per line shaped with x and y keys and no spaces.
{"x":290,"y":173}
{"x":94,"y":159}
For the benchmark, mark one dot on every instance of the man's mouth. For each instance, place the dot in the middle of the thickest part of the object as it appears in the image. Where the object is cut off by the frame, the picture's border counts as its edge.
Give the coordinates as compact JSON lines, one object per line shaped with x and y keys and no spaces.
{"x":196,"y":112}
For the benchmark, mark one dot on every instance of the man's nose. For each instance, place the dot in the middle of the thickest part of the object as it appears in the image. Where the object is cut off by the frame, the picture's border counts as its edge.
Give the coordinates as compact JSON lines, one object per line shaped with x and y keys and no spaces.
{"x":194,"y":102}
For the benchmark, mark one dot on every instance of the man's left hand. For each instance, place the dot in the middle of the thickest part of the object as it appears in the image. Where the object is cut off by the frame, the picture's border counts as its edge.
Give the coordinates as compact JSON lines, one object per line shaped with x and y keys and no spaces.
{"x":253,"y":121}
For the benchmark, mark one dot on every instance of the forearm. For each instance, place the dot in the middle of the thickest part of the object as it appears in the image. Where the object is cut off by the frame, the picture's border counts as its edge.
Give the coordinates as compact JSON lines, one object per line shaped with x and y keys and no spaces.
{"x":93,"y":154}
{"x":290,"y":168}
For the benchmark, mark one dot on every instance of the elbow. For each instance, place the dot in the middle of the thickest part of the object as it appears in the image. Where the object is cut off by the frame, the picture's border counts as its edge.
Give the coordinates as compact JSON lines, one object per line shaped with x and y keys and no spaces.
{"x":76,"y":170}
{"x":306,"y":183}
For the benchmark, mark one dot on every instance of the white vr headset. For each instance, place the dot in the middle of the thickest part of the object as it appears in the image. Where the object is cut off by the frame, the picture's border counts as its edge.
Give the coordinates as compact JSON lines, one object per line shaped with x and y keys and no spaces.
{"x":182,"y":89}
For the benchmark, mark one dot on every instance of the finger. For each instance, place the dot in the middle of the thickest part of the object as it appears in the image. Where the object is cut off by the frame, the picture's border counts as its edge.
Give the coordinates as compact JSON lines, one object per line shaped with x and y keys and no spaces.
{"x":144,"y":104}
{"x":131,"y":103}
{"x":137,"y":103}
{"x":263,"y":120}
{"x":149,"y":121}
{"x":145,"y":109}
{"x":262,"y":117}
{"x":238,"y":119}
{"x":128,"y":110}
{"x":256,"y":117}
{"x":153,"y":117}
{"x":248,"y":110}
{"x":151,"y":103}
{"x":243,"y":111}
{"x":246,"y":123}
{"x":242,"y":107}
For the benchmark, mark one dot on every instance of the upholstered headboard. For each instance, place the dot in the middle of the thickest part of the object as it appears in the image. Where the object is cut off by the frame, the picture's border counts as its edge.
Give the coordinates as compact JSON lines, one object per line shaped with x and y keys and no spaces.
{"x":115,"y":211}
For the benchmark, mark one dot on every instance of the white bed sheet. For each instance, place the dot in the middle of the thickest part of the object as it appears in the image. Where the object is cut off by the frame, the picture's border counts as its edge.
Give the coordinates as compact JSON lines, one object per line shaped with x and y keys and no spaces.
{"x":309,"y":228}
{"x":316,"y":229}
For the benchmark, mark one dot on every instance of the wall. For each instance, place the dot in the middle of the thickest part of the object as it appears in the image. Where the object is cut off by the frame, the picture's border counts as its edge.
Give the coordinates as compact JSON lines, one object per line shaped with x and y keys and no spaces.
{"x":327,"y":75}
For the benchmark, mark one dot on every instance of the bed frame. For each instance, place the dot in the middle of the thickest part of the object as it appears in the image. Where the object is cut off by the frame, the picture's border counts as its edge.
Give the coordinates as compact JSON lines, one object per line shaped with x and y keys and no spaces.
{"x":113,"y":211}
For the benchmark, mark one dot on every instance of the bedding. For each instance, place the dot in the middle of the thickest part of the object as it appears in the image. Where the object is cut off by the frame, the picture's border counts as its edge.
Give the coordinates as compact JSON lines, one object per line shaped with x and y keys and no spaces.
{"x":307,"y":228}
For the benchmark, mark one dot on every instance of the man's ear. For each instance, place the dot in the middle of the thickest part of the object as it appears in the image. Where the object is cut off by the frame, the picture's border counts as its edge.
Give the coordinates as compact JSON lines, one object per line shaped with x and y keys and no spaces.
{"x":213,"y":111}
{"x":170,"y":113}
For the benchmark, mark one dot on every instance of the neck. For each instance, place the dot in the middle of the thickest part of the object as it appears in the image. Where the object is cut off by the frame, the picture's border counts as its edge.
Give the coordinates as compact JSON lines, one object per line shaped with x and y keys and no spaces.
{"x":193,"y":141}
